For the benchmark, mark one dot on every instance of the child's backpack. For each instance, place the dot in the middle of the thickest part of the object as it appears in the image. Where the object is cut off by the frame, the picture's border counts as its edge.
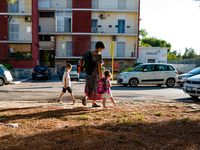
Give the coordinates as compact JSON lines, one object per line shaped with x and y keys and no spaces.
{"x":85,"y":64}
{"x":102,"y":88}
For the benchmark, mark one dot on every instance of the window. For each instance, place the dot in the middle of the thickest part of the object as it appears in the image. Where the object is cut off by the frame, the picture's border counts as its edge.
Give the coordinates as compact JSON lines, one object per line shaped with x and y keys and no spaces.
{"x":94,"y":25}
{"x":14,"y":32}
{"x":47,"y":14}
{"x":151,"y":61}
{"x":14,"y":8}
{"x":95,"y":4}
{"x":121,"y":49}
{"x":44,"y":38}
{"x":150,"y":67}
{"x":121,"y":26}
{"x":69,"y":49}
{"x":141,"y":68}
{"x":161,"y":67}
{"x":121,"y":4}
{"x":170,"y":68}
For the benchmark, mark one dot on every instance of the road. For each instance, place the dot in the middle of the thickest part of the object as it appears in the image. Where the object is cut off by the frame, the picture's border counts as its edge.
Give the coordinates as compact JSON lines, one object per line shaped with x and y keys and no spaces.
{"x":49,"y":91}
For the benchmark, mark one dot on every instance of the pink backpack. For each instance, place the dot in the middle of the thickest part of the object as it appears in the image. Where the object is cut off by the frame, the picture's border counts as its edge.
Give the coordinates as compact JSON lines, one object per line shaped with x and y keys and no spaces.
{"x":102,"y":88}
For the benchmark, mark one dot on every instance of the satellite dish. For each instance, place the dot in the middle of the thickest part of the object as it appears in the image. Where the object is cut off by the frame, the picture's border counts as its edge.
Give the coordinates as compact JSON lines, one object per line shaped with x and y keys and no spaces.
{"x":11,"y":49}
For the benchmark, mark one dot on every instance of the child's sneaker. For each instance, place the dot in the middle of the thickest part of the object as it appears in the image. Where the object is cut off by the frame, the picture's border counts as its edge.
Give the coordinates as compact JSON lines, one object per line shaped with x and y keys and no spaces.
{"x":106,"y":108}
{"x":59,"y":101}
{"x":74,"y":102}
{"x":116,"y":103}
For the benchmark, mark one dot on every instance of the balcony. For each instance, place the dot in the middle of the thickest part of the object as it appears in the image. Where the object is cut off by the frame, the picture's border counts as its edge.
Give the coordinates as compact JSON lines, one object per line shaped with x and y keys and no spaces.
{"x":46,"y":45}
{"x":20,"y":37}
{"x":19,"y":8}
{"x":103,"y":30}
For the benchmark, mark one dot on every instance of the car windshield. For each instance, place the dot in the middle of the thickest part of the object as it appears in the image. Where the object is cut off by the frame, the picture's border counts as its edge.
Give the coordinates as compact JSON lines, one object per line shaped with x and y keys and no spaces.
{"x":4,"y":68}
{"x":195,"y":71}
{"x":136,"y":68}
{"x":74,"y":68}
{"x":40,"y":68}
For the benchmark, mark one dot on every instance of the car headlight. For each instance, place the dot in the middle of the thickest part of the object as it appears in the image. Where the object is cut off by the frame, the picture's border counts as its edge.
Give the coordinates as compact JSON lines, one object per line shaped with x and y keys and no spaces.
{"x":125,"y":76}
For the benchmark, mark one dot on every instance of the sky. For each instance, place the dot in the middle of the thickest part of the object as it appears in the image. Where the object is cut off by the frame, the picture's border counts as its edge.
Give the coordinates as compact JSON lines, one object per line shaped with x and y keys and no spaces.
{"x":175,"y":21}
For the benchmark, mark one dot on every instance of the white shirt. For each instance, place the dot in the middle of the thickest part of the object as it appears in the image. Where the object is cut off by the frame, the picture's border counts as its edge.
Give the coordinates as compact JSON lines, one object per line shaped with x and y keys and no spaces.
{"x":68,"y":81}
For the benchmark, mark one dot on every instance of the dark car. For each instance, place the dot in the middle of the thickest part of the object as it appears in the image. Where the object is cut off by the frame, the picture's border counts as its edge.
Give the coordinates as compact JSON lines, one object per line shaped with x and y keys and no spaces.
{"x":183,"y":77}
{"x":41,"y":71}
{"x":73,"y":73}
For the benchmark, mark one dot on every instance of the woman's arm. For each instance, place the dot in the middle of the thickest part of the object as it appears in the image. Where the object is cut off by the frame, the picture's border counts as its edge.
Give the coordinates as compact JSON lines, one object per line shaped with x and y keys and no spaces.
{"x":100,"y":71}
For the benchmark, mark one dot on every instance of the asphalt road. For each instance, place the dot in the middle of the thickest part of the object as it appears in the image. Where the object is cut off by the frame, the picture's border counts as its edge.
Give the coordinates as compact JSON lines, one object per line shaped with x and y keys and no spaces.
{"x":49,"y":91}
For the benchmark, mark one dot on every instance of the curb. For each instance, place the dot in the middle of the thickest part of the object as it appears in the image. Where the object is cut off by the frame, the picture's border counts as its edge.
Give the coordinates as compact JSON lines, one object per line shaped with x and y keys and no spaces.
{"x":22,"y":80}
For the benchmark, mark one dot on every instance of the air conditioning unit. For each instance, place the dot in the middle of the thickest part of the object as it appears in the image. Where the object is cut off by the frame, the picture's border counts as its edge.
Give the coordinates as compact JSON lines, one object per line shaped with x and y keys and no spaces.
{"x":102,"y":16}
{"x":114,"y":38}
{"x":27,"y":19}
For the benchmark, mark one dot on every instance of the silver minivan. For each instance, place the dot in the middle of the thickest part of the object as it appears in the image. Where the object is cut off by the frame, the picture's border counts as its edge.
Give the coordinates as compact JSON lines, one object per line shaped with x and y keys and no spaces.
{"x":5,"y":76}
{"x":150,"y":73}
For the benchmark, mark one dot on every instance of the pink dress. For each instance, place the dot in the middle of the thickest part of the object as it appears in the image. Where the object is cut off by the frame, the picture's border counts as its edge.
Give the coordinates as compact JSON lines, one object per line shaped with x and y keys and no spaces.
{"x":108,"y":93}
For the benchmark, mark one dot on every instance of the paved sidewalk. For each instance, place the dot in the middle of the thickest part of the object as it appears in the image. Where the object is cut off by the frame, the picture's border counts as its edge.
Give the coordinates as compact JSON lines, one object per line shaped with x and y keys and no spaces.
{"x":17,"y":81}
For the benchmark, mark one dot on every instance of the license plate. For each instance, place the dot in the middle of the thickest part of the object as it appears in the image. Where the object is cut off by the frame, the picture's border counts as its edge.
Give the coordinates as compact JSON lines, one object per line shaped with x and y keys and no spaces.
{"x":189,"y":88}
{"x":40,"y":75}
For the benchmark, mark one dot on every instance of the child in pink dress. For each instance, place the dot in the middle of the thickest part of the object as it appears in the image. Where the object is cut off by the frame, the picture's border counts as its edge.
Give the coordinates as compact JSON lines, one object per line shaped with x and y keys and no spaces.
{"x":107,"y":94}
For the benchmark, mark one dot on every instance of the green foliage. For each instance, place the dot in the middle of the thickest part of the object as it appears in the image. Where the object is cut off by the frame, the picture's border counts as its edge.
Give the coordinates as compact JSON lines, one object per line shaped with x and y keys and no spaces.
{"x":8,"y":66}
{"x":159,"y":113}
{"x":142,"y":44}
{"x":143,"y":33}
{"x":120,"y":140}
{"x":83,"y":117}
{"x":189,"y":53}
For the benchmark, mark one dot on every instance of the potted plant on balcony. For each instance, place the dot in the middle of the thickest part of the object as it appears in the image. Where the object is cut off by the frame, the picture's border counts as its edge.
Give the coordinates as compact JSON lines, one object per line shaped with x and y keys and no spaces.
{"x":99,"y":26}
{"x":110,"y":26}
{"x":116,"y":26}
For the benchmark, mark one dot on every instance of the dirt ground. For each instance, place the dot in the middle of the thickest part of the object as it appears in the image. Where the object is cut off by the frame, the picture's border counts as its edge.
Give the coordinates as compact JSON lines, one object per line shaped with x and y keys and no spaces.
{"x":129,"y":125}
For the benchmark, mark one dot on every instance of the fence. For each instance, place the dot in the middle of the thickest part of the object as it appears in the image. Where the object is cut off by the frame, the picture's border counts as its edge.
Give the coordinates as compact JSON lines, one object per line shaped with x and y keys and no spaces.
{"x":185,"y":65}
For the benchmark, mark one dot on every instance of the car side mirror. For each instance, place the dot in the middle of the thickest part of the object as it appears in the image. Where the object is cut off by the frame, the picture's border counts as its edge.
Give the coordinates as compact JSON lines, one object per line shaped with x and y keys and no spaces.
{"x":145,"y":70}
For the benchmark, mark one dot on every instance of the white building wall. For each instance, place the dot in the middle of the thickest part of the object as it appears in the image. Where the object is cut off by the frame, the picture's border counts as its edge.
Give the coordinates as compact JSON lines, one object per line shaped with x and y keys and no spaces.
{"x":157,"y":53}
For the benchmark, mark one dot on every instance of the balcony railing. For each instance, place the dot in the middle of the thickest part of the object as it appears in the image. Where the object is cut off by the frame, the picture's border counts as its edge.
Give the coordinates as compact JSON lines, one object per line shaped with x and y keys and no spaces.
{"x":20,"y":8}
{"x":96,"y":4}
{"x":97,"y":30}
{"x":20,"y":36}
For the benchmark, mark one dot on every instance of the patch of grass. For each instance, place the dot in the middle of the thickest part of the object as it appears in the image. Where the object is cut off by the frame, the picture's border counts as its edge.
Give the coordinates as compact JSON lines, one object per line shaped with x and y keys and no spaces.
{"x":140,"y":118}
{"x":24,"y":121}
{"x":159,"y":113}
{"x":97,"y":117}
{"x":118,"y":120}
{"x":84,"y":123}
{"x":97,"y":113}
{"x":89,"y":113}
{"x":133,"y":113}
{"x":125,"y":114}
{"x":137,"y":140}
{"x":107,"y":121}
{"x":173,"y":114}
{"x":117,"y":116}
{"x":120,"y":140}
{"x":131,"y":123}
{"x":83,"y":117}
{"x":140,"y":113}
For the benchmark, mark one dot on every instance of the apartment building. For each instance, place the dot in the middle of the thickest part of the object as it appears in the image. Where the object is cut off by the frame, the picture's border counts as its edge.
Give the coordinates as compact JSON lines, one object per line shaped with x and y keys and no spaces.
{"x":55,"y":32}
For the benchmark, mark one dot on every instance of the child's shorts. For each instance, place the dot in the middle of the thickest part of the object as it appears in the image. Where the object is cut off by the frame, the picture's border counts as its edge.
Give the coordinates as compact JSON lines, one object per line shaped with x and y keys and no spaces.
{"x":69,"y":89}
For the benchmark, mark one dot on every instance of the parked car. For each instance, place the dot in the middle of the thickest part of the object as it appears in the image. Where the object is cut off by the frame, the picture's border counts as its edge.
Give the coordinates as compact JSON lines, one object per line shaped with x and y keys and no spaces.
{"x":183,"y":77}
{"x":73,"y":73}
{"x":151,"y":73}
{"x":41,"y":71}
{"x":192,"y":86}
{"x":5,"y":76}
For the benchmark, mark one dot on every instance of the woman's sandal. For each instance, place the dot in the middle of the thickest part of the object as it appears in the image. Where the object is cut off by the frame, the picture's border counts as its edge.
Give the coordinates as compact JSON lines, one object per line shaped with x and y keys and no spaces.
{"x":95,"y":105}
{"x":84,"y":101}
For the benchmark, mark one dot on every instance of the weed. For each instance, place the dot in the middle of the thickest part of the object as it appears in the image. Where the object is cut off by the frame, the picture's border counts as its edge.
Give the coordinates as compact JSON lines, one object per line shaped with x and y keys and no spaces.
{"x":84,"y":123}
{"x":118,"y":120}
{"x":109,"y":113}
{"x":83,"y":117}
{"x":125,"y":114}
{"x":66,"y":133}
{"x":186,"y":119}
{"x":130,"y":123}
{"x":89,"y":113}
{"x":139,"y":113}
{"x":120,"y":140}
{"x":97,"y":113}
{"x":133,"y":113}
{"x":107,"y":121}
{"x":159,"y":113}
{"x":173,"y":114}
{"x":125,"y":120}
{"x":137,"y":140}
{"x":24,"y":121}
{"x":11,"y":133}
{"x":97,"y":117}
{"x":140,"y":118}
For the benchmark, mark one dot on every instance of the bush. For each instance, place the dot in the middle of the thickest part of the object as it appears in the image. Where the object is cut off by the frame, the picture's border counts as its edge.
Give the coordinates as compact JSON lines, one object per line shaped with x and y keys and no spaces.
{"x":8,"y":66}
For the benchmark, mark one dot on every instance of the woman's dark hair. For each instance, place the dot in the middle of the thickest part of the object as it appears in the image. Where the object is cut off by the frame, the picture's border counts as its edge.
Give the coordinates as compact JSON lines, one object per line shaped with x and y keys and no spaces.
{"x":107,"y":73}
{"x":99,"y":44}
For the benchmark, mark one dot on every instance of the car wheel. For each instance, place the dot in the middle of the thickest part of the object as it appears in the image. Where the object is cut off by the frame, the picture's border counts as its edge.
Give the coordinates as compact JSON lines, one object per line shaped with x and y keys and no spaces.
{"x":133,"y":82}
{"x":170,"y":82}
{"x":159,"y":85}
{"x":194,"y":97}
{"x":1,"y":82}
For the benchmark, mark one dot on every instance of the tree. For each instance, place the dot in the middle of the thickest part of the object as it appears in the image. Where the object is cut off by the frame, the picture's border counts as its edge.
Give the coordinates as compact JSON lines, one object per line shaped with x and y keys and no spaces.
{"x":143,"y":33}
{"x":189,"y":53}
{"x":171,"y":56}
{"x":11,"y":1}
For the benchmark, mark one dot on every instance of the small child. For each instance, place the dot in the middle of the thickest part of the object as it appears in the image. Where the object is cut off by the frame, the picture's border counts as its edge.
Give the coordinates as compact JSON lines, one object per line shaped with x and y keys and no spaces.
{"x":67,"y":84}
{"x":107,"y":94}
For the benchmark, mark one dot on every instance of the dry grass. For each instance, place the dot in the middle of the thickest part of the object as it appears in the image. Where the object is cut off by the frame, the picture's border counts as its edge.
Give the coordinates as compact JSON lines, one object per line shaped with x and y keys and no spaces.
{"x":123,"y":127}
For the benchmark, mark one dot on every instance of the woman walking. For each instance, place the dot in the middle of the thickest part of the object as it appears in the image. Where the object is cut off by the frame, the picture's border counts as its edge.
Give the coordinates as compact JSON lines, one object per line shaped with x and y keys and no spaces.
{"x":92,"y":80}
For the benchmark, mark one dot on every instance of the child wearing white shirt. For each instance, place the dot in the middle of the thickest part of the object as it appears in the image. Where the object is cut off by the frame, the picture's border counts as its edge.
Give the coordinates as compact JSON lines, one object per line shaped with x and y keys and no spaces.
{"x":67,"y":84}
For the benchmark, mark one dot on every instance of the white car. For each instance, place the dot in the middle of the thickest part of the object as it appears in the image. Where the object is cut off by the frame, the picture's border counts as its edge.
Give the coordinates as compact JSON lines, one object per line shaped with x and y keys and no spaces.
{"x":192,"y":86}
{"x":150,"y":73}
